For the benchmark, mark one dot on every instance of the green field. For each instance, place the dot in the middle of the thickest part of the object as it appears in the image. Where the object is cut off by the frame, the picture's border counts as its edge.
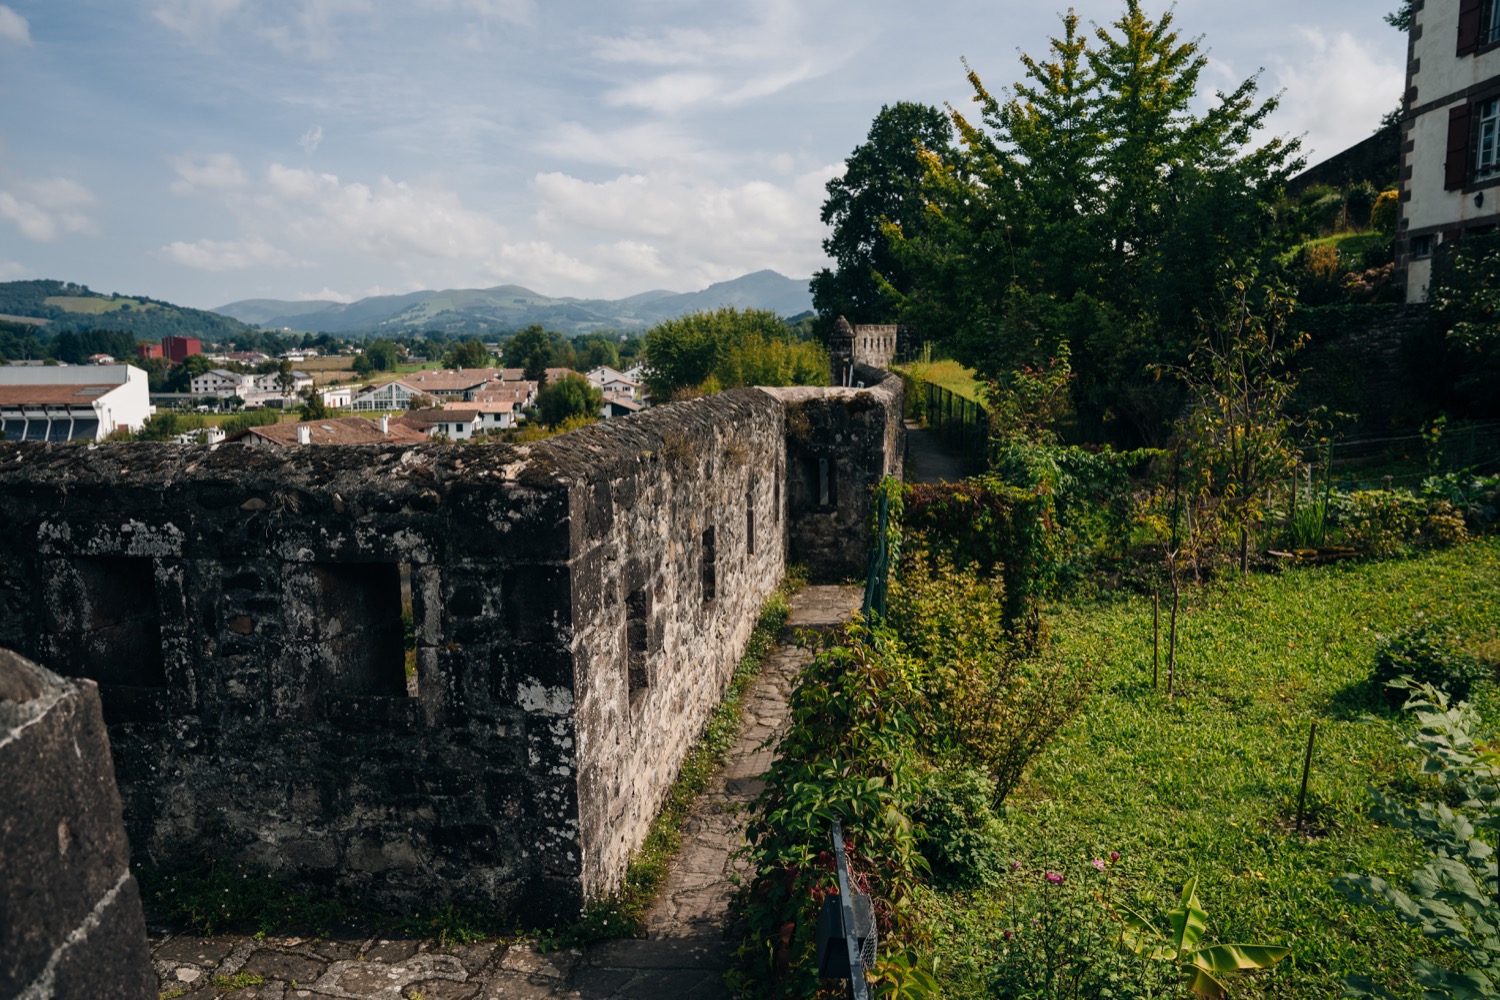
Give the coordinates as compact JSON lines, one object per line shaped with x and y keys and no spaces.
{"x":950,"y":375}
{"x":1206,"y":784}
{"x":89,"y":306}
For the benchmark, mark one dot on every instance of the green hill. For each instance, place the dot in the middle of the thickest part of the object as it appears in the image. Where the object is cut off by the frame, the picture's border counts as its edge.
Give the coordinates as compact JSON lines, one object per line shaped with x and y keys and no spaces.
{"x":56,"y":307}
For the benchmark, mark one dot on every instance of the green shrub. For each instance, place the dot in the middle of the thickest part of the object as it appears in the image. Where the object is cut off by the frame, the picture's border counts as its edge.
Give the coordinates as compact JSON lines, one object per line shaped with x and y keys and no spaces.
{"x":1386,"y":523}
{"x":1059,"y":939}
{"x":957,"y":832}
{"x":984,"y":702}
{"x":1428,"y":651}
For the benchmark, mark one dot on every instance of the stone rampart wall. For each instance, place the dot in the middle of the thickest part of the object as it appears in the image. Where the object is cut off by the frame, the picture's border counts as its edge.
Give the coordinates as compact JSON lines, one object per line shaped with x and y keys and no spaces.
{"x":578,"y":607}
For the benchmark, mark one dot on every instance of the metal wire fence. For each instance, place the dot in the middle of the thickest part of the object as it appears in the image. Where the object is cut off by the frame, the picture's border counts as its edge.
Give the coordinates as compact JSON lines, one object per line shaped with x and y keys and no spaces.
{"x":961,"y":422}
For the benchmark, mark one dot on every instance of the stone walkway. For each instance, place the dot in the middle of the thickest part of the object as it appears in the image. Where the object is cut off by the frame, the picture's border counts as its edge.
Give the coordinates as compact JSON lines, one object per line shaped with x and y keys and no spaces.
{"x":685,"y":953}
{"x":928,"y":459}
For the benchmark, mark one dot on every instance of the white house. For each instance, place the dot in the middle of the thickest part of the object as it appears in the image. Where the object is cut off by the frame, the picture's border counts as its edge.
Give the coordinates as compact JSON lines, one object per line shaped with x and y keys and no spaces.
{"x":337,"y":397}
{"x":219,"y":382}
{"x":72,"y":404}
{"x":206,"y":435}
{"x":1450,"y":133}
{"x":497,"y":415}
{"x":454,"y":423}
{"x":615,"y":382}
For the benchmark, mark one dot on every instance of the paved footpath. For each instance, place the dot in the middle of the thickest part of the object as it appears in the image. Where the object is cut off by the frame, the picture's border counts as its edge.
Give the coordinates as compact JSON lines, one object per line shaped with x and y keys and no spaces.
{"x":929,"y":459}
{"x":684,"y":954}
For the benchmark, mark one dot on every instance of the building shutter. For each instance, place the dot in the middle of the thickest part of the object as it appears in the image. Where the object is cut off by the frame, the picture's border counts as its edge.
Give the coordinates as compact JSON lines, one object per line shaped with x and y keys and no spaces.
{"x":1470,"y":16}
{"x":1458,"y":147}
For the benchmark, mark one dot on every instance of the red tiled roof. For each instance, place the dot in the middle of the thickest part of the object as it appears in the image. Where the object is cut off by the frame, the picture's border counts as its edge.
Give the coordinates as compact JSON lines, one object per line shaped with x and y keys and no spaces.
{"x":52,"y":395}
{"x":347,"y":430}
{"x":457,"y":380}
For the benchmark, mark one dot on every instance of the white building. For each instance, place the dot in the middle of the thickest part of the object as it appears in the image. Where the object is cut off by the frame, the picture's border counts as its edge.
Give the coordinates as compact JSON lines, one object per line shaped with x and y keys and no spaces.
{"x":218,"y":382}
{"x":72,"y":404}
{"x":337,"y":397}
{"x":1450,"y":133}
{"x":615,"y":382}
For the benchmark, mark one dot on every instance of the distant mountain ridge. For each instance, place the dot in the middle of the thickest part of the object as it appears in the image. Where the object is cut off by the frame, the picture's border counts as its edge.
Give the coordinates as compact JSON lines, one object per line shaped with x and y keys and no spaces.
{"x":510,"y":307}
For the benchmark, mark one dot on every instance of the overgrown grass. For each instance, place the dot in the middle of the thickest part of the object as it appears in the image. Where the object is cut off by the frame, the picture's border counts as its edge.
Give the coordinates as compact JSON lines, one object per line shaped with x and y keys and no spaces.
{"x":1207,"y":784}
{"x":624,"y":914}
{"x":949,"y":374}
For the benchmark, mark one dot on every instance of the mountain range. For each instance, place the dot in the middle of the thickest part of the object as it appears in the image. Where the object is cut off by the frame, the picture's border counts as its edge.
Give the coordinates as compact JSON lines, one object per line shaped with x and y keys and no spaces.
{"x":510,"y":307}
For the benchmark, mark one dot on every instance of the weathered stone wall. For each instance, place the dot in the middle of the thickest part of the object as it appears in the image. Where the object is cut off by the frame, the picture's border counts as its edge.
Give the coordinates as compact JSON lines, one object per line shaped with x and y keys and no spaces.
{"x":578,"y":609}
{"x":70,"y":911}
{"x":840,"y":444}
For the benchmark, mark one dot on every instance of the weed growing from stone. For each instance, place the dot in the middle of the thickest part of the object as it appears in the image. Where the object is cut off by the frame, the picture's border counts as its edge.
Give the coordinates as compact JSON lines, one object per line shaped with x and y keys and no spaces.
{"x":239,"y":981}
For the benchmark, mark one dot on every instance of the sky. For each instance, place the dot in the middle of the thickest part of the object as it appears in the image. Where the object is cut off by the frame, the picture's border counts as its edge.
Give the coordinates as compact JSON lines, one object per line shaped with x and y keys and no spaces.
{"x":207,"y":151}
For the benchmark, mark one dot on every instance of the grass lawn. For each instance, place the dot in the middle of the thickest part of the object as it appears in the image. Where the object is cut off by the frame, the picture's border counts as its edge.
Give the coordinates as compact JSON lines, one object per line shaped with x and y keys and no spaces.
{"x":1207,"y":785}
{"x":949,"y":374}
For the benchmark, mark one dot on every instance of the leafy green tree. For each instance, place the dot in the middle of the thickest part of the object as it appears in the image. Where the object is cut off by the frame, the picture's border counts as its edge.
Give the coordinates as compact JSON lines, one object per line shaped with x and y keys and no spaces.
{"x":470,"y":354}
{"x":708,"y":351}
{"x":530,"y":350}
{"x":384,"y":355}
{"x":1465,"y":300}
{"x":596,"y":350}
{"x":1095,"y":205}
{"x":313,"y":406}
{"x":180,"y":377}
{"x":881,"y":185}
{"x":1401,"y":17}
{"x":570,"y":396}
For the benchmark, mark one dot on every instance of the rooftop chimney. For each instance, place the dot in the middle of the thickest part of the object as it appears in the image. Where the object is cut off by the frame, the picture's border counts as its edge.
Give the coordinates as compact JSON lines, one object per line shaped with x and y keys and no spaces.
{"x":304,"y":435}
{"x":385,"y":425}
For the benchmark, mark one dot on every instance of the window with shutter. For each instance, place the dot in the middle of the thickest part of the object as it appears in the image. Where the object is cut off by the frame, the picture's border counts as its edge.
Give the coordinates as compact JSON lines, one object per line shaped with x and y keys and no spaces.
{"x":1470,"y":24}
{"x":1486,"y":139}
{"x":1457,"y":167}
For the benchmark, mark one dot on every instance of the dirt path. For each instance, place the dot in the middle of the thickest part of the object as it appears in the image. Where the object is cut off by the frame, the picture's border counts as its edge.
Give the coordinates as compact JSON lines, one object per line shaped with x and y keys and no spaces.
{"x":928,"y":459}
{"x":684,"y":955}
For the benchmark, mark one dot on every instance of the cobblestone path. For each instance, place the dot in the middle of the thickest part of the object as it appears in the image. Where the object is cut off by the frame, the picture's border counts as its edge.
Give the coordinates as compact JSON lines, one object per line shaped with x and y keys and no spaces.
{"x":684,"y":954}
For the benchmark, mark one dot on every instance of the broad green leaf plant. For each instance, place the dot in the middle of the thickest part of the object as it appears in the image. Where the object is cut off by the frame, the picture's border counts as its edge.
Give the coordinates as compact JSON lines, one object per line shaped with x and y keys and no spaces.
{"x":1455,"y":897}
{"x":1204,"y":967}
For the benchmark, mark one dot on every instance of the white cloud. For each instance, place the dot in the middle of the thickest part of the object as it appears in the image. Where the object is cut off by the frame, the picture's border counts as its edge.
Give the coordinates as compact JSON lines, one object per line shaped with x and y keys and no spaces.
{"x":311,"y":140}
{"x":44,"y":210}
{"x":1337,"y":89}
{"x":12,"y":271}
{"x":634,"y":146}
{"x":519,"y":11}
{"x":326,"y":294}
{"x":733,"y":64}
{"x":212,"y":175}
{"x":711,"y":231}
{"x":13,"y":27}
{"x":195,"y":20}
{"x":389,"y":218}
{"x":212,"y":255}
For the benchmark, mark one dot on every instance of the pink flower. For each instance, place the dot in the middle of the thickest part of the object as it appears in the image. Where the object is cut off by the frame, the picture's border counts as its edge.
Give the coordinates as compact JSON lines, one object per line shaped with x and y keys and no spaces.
{"x":1015,"y":866}
{"x":1008,"y":935}
{"x":1114,"y":855}
{"x":1098,"y":863}
{"x":1054,"y":878}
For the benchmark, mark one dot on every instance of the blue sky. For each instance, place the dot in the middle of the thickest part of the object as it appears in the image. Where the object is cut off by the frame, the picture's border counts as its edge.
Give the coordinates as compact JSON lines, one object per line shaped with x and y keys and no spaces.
{"x":204,"y":151}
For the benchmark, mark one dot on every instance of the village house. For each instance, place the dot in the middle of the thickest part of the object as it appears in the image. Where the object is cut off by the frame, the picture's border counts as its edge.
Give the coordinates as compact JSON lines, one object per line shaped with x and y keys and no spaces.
{"x":345,"y":430}
{"x":1450,"y":132}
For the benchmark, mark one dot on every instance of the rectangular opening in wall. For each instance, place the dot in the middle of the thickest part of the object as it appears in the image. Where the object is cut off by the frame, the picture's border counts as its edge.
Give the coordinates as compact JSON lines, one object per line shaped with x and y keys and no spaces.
{"x":776,"y":496}
{"x":360,"y":622}
{"x":120,"y":637}
{"x":818,"y":481}
{"x":710,"y":565}
{"x":750,"y":523}
{"x":637,"y":642}
{"x":408,"y":631}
